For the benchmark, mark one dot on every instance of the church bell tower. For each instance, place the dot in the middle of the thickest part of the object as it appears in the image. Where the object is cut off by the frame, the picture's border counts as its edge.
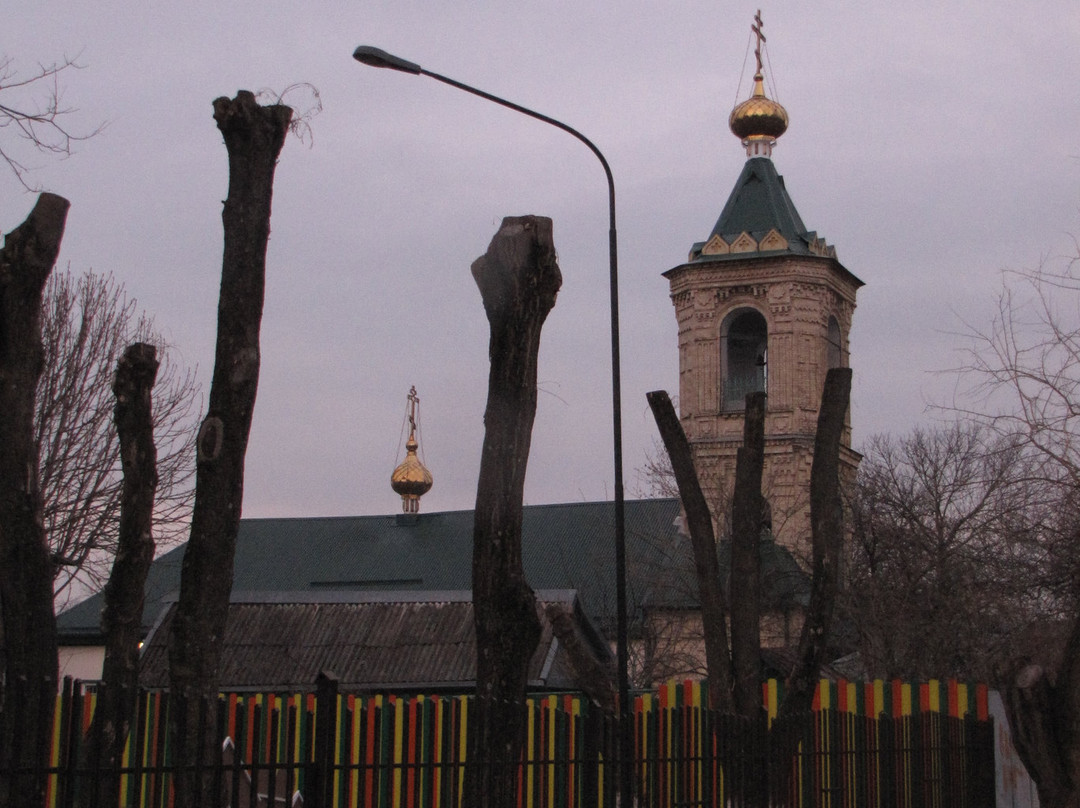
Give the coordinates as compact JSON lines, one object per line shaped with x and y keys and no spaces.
{"x":762,"y":304}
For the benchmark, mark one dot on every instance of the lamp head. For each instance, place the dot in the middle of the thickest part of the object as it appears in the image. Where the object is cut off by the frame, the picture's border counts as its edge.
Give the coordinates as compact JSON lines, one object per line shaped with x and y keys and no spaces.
{"x":375,"y":57}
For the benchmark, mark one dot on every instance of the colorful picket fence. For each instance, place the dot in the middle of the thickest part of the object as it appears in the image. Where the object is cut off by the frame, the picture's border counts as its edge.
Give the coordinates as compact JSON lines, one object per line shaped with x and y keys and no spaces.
{"x":406,"y":752}
{"x":866,"y":744}
{"x":895,"y":699}
{"x":871,"y":744}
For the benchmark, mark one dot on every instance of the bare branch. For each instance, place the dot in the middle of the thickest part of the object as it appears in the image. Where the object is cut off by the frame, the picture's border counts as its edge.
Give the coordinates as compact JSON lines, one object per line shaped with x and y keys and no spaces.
{"x":34,"y":116}
{"x":304,"y":100}
{"x":1021,"y":373}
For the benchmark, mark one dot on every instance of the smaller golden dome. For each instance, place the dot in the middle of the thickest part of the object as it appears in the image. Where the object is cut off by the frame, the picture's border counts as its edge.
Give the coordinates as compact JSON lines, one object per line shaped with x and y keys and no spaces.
{"x":411,"y":479}
{"x":758,"y":117}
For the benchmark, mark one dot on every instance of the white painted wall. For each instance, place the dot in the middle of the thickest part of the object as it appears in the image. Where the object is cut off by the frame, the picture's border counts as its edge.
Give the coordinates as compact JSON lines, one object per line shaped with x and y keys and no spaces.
{"x":81,"y":662}
{"x":1015,"y":788}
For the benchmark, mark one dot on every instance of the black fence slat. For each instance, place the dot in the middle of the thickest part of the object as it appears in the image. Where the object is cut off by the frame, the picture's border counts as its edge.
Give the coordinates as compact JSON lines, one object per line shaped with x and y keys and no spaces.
{"x":135,"y":745}
{"x":71,"y":734}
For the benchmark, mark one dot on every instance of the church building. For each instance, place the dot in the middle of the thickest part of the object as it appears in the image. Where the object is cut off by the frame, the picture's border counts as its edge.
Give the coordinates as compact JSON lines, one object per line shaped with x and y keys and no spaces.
{"x":762,"y":304}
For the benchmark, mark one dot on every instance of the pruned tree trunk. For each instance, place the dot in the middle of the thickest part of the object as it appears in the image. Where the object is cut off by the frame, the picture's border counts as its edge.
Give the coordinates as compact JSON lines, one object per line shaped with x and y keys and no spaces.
{"x":699,"y":523}
{"x":1068,"y":713}
{"x":26,"y":570}
{"x":747,"y":513}
{"x":121,"y":620}
{"x":594,"y":678}
{"x":518,"y":279}
{"x":253,"y":136}
{"x":1044,"y":717}
{"x":827,"y":536}
{"x":1039,"y":721}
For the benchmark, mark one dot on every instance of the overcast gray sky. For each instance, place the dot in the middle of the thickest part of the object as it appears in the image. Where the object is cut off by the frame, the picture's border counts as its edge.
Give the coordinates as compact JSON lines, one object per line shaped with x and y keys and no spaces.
{"x":933,"y":143}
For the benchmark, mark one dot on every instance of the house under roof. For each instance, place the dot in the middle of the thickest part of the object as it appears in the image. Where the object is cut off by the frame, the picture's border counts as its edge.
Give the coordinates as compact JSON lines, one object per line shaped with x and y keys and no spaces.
{"x":414,"y":556}
{"x":567,"y":546}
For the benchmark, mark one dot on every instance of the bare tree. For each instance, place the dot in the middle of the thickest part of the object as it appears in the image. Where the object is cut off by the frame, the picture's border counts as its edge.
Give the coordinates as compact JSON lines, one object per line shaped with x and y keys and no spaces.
{"x":87,"y":321}
{"x":33,"y":112}
{"x":1023,"y":370}
{"x":948,"y":562}
{"x":656,"y":477}
{"x":748,"y":509}
{"x":827,"y":540}
{"x":1025,"y":374}
{"x":706,"y":565}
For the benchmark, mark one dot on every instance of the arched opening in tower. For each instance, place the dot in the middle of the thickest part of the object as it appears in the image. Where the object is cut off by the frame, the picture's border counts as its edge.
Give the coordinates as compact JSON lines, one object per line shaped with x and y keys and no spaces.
{"x":744,"y":356}
{"x":835,"y":354}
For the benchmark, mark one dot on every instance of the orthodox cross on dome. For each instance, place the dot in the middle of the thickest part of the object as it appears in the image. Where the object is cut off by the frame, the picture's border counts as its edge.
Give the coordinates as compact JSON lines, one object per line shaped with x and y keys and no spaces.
{"x":756,"y":28}
{"x":413,"y":403}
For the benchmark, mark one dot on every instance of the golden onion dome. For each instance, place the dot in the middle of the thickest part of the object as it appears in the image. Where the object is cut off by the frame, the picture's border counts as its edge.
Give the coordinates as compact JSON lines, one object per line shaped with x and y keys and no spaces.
{"x":758,"y":117}
{"x":411,"y":479}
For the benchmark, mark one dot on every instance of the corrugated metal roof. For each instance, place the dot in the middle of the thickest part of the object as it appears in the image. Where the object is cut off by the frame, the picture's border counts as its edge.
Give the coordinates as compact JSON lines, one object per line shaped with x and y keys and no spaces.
{"x":369,"y":643}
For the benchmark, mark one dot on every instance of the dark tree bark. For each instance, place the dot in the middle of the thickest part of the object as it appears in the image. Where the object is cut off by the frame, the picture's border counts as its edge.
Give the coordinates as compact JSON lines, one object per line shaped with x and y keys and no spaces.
{"x":1044,"y":717}
{"x":253,"y":136}
{"x":518,"y":279}
{"x":827,"y":536}
{"x":747,"y":512}
{"x":1068,"y":713}
{"x":826,"y":516}
{"x":699,"y":522}
{"x":121,"y":620}
{"x":26,"y":570}
{"x":596,"y":680}
{"x":1039,"y":722}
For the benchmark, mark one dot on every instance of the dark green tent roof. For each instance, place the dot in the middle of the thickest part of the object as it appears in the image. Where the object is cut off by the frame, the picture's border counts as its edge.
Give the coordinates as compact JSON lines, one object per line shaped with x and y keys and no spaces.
{"x":759,"y":203}
{"x":567,"y":546}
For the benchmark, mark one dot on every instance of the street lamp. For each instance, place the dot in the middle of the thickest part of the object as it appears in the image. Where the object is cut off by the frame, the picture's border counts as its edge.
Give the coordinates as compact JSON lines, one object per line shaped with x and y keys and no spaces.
{"x":374,"y":57}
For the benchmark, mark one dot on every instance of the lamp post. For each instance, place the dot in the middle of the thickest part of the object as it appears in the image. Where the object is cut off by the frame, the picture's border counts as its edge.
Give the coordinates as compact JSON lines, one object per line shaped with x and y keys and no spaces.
{"x":374,"y":57}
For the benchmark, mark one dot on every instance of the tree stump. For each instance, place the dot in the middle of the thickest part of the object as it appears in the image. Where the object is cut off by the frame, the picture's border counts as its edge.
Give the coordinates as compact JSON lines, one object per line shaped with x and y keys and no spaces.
{"x":253,"y":136}
{"x":827,"y":536}
{"x":747,"y":512}
{"x":703,"y":539}
{"x":518,"y":279}
{"x":26,"y":569}
{"x":121,"y":620}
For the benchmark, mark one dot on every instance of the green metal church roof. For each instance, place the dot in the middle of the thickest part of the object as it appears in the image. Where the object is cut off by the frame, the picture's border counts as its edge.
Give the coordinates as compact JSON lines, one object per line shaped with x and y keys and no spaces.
{"x":569,"y":547}
{"x":759,"y":203}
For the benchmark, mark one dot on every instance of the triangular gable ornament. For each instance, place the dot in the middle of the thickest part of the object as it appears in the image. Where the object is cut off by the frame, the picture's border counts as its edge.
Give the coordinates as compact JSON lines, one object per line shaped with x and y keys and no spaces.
{"x":773,"y":241}
{"x":716,"y":246}
{"x":744,"y":243}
